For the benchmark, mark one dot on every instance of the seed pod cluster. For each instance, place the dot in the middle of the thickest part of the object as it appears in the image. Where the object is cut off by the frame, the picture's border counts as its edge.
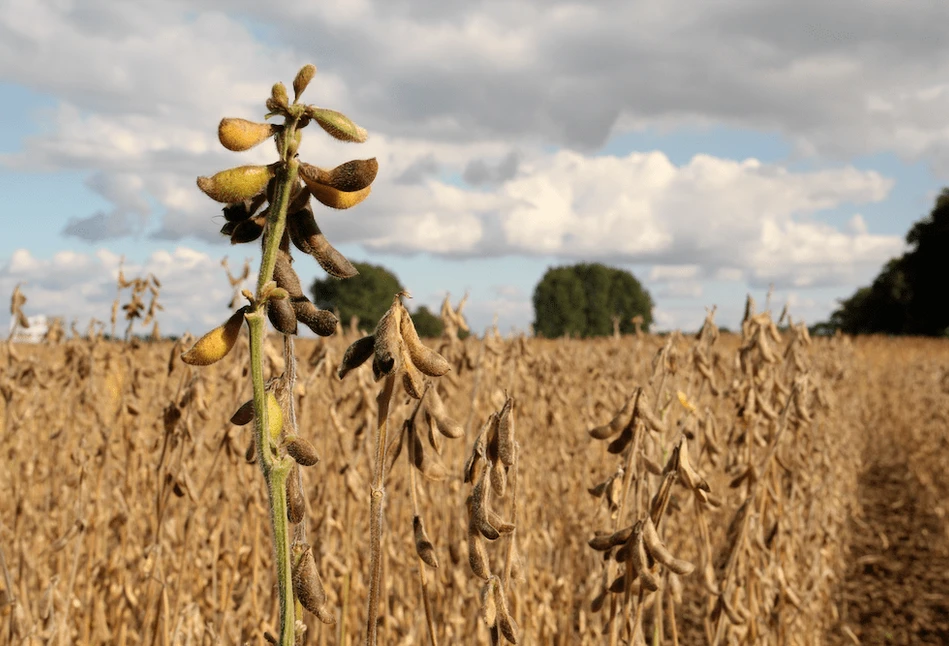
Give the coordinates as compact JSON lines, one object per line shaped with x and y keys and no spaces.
{"x":623,"y":425}
{"x":492,"y":462}
{"x":249,"y":194}
{"x":640,"y":547}
{"x":395,"y":347}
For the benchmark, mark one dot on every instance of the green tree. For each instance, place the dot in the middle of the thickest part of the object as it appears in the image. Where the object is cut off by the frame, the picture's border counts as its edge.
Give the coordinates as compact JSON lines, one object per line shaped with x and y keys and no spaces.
{"x":908,"y":296}
{"x":582,"y":300}
{"x":427,"y":324}
{"x":367,"y":295}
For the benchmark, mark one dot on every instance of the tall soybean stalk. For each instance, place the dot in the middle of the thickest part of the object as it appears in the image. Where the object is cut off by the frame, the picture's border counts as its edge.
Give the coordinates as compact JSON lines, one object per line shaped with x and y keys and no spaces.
{"x":272,"y":203}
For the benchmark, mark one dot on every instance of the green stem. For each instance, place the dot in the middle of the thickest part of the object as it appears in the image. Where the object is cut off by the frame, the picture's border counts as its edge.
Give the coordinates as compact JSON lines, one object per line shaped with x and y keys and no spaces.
{"x":281,"y":538}
{"x":255,"y":324}
{"x":275,"y":470}
{"x":277,"y":219}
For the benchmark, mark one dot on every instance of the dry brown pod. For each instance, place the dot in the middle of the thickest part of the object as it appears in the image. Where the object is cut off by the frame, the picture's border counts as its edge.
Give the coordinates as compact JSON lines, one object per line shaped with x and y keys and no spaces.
{"x":478,"y":510}
{"x":477,"y":553}
{"x":618,"y":423}
{"x":281,"y":316}
{"x":498,"y":476}
{"x":639,"y":560}
{"x":321,"y":322}
{"x":506,"y":445}
{"x":307,"y":237}
{"x":244,"y":414}
{"x":499,"y":523}
{"x":660,"y":552}
{"x":285,"y":276}
{"x":689,"y":475}
{"x":445,"y":424}
{"x":250,"y":455}
{"x":302,"y":451}
{"x":296,"y":504}
{"x":489,"y":609}
{"x":619,"y":445}
{"x":350,"y":177}
{"x":423,"y":546}
{"x":356,"y":355}
{"x":307,"y":584}
{"x":425,"y":359}
{"x":388,"y":342}
{"x":603,"y":542}
{"x":505,"y":620}
{"x":644,"y":411}
{"x":248,"y":230}
{"x":618,"y":584}
{"x":412,"y":379}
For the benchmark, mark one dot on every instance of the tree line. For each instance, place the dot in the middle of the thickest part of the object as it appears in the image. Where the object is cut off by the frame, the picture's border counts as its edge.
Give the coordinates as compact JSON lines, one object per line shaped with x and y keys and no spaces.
{"x":582,"y":300}
{"x":908,"y":296}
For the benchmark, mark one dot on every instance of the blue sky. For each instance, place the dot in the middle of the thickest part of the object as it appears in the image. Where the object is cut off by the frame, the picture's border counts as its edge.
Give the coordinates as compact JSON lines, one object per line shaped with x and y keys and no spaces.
{"x":712,"y":150}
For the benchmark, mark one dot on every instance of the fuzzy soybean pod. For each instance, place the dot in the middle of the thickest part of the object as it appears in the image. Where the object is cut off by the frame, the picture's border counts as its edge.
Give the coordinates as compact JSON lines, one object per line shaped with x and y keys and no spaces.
{"x":236,"y":184}
{"x":425,"y":359}
{"x":241,"y":134}
{"x":423,"y":545}
{"x":506,"y":445}
{"x":661,"y":553}
{"x":215,"y":345}
{"x":639,"y":560}
{"x":307,"y":237}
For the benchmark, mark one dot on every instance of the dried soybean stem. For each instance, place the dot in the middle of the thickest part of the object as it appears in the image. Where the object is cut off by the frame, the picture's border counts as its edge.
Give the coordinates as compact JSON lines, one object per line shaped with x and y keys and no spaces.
{"x":423,"y":582}
{"x":376,"y":509}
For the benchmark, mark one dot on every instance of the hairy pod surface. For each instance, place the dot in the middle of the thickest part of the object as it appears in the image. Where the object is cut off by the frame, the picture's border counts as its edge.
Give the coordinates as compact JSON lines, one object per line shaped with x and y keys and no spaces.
{"x":214,"y":346}
{"x":321,"y":322}
{"x":236,"y":184}
{"x":240,"y":134}
{"x":337,"y":124}
{"x":302,"y":451}
{"x":302,"y":80}
{"x":307,"y":237}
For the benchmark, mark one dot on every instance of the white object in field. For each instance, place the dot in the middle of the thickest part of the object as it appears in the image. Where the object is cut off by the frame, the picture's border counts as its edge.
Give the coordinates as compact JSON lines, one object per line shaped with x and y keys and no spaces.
{"x":32,"y":334}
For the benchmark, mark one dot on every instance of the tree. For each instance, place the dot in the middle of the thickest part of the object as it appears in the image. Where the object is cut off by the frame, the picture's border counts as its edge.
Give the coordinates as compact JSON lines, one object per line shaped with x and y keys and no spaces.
{"x":582,"y":299}
{"x":427,"y":324}
{"x":908,"y":296}
{"x":367,"y":295}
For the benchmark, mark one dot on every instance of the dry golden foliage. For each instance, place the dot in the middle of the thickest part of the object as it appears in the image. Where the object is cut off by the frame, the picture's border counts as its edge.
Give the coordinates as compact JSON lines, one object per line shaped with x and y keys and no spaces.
{"x":129,"y":511}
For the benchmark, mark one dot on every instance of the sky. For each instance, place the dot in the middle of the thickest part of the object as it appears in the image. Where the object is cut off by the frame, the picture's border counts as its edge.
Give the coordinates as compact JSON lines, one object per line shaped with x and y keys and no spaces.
{"x":714,"y":149}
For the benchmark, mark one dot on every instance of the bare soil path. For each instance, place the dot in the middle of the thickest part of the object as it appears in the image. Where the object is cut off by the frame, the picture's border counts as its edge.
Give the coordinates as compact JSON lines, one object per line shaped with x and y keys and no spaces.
{"x":896,"y":589}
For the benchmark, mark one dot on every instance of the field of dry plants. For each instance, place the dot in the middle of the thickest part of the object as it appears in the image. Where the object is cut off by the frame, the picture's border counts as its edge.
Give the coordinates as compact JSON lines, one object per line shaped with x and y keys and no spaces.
{"x":713,"y":489}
